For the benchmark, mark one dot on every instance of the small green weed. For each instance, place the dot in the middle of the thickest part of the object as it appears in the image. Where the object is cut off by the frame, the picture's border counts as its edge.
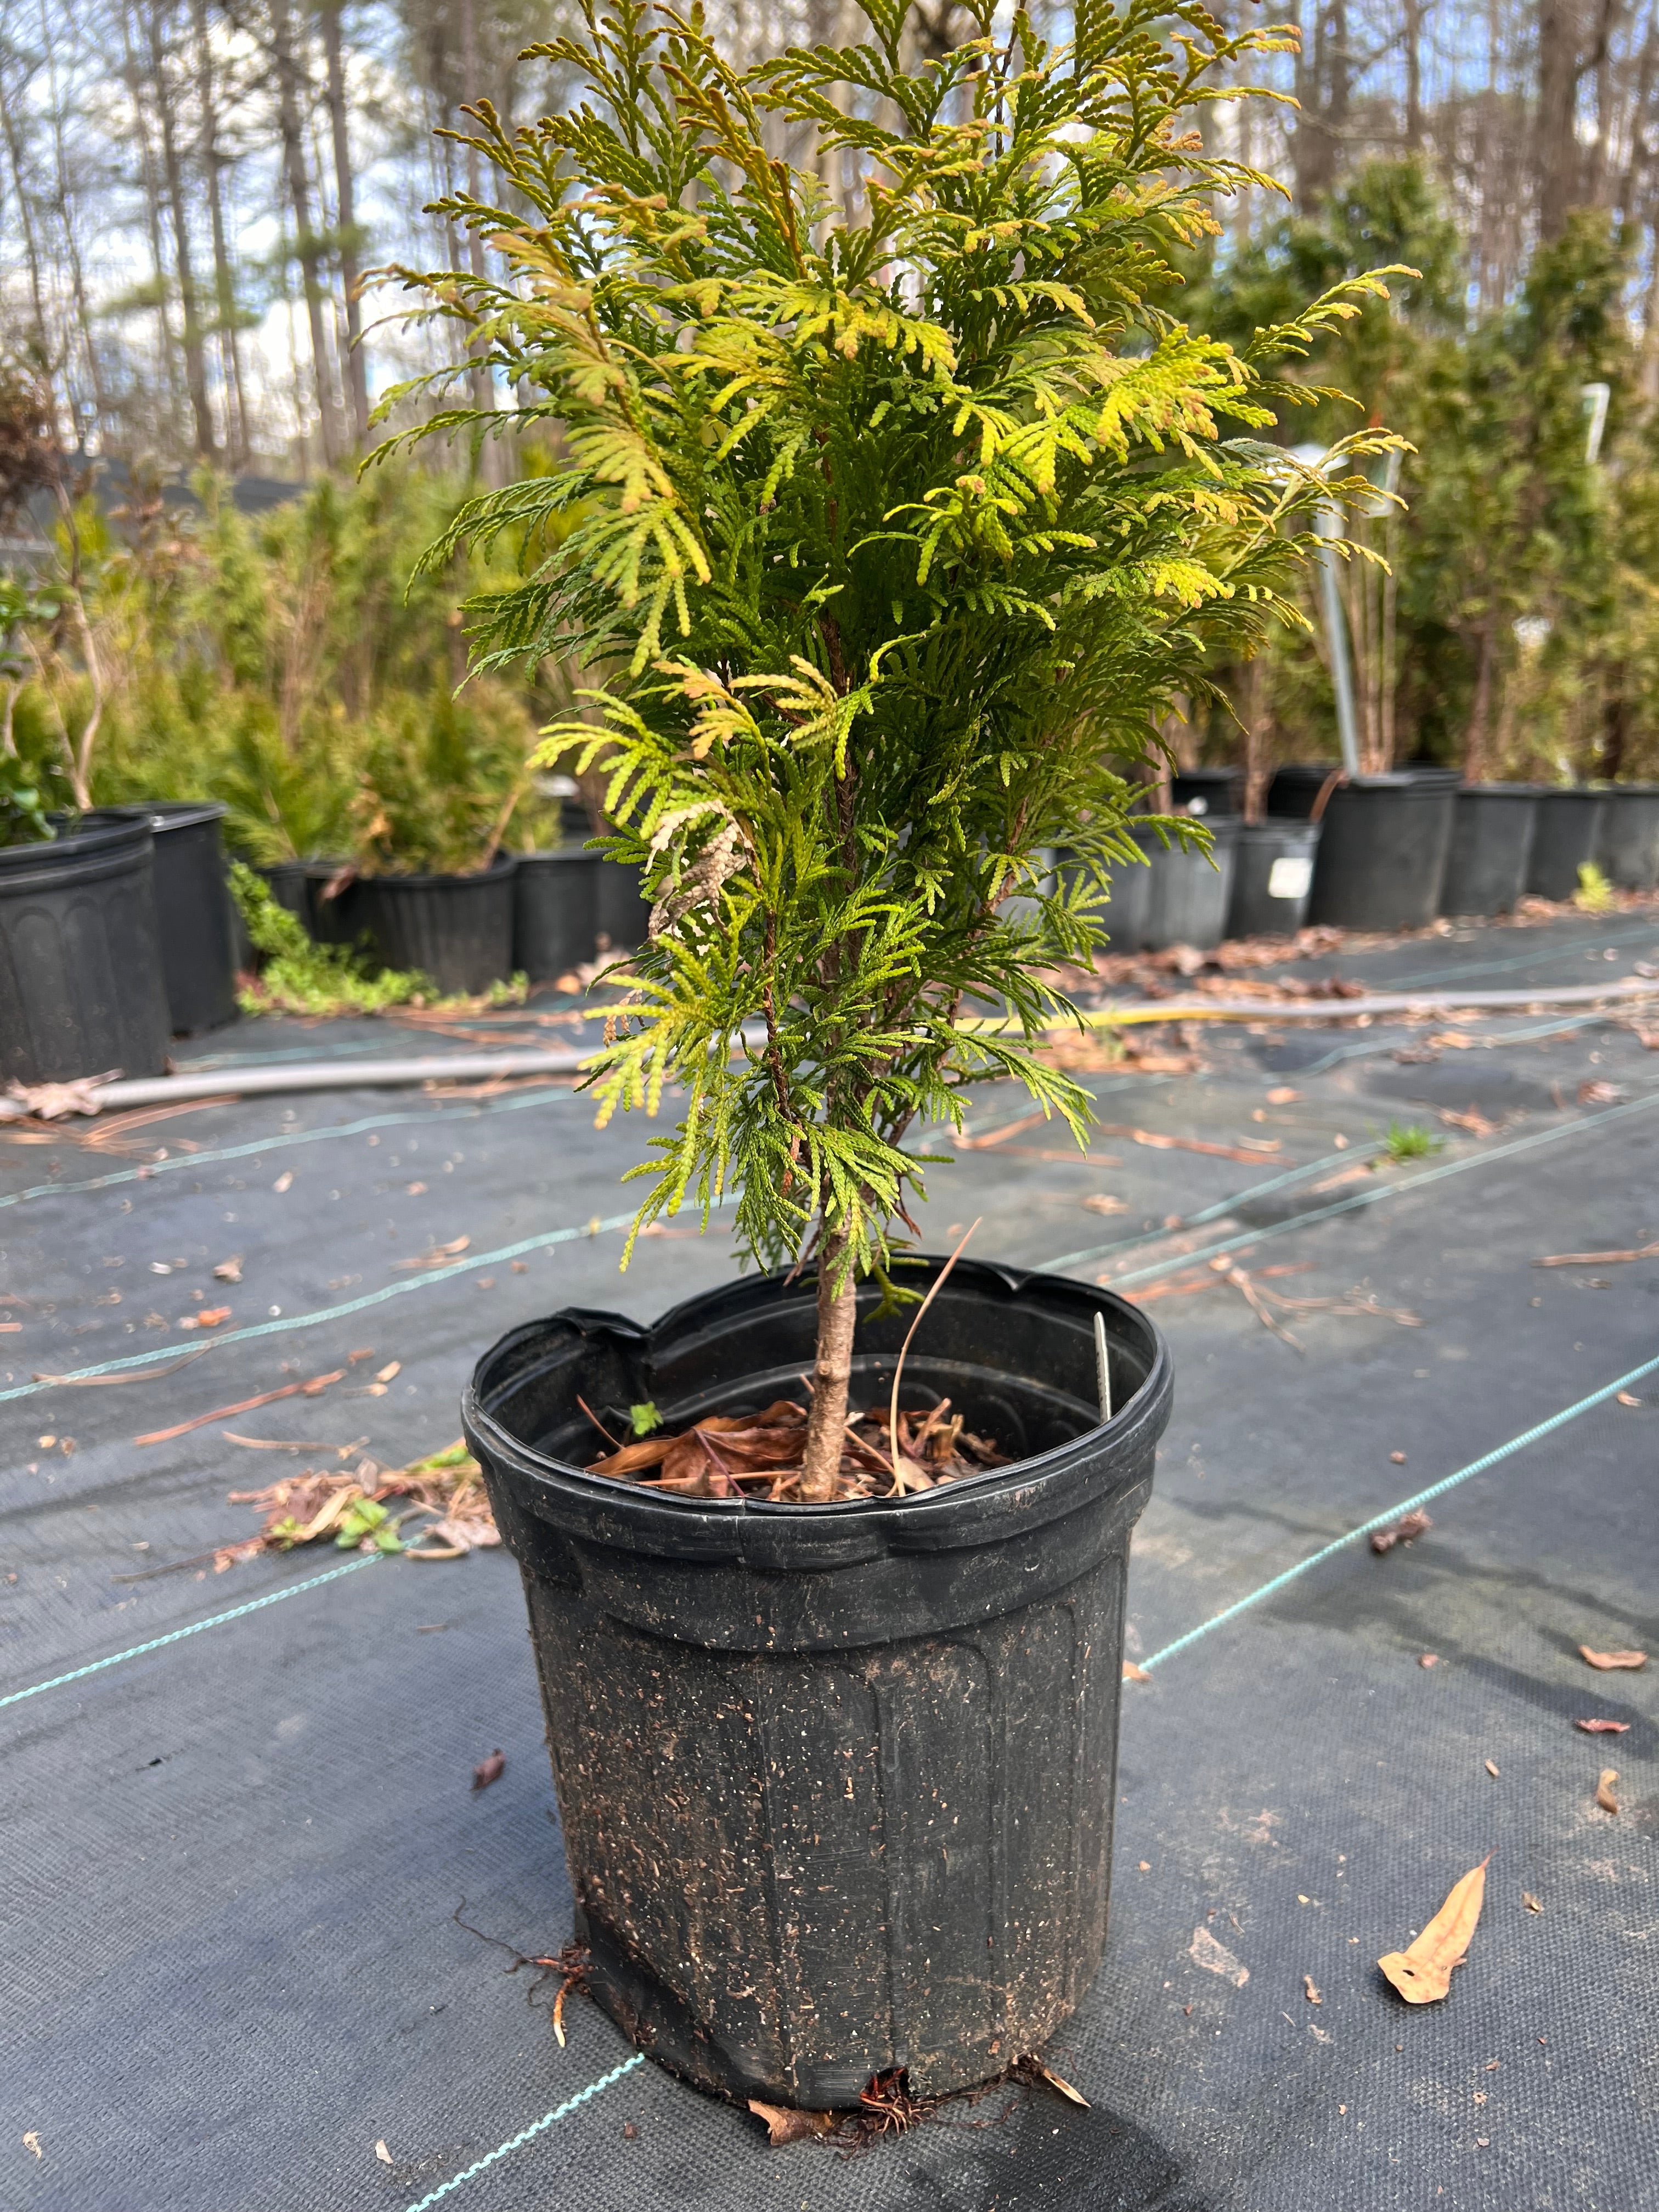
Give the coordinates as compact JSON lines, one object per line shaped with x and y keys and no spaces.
{"x":1410,"y":1140}
{"x":1595,"y":894}
{"x":645,"y":1418}
{"x":303,"y":977}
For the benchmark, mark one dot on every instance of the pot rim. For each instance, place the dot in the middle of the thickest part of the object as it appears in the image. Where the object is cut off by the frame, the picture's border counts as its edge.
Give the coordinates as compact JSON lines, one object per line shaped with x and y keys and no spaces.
{"x":120,"y":835}
{"x":917,"y":1511}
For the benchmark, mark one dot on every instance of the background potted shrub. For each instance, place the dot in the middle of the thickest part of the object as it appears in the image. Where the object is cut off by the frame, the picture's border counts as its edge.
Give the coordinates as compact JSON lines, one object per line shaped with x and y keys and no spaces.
{"x":903,"y":516}
{"x":81,"y":987}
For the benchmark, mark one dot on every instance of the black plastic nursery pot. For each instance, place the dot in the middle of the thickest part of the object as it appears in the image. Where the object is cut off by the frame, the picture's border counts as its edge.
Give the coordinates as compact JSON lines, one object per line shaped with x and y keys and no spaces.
{"x":81,"y":982}
{"x":1122,"y":914}
{"x":1382,"y":855}
{"x":1565,"y":838}
{"x":195,"y":914}
{"x":623,"y":912}
{"x":836,"y":1781}
{"x":288,"y":882}
{"x":1188,"y":891}
{"x":456,"y":929}
{"x":555,"y":911}
{"x":1627,"y":846}
{"x":1492,"y":829}
{"x":1293,"y":791}
{"x":1208,"y":790}
{"x":1272,"y":876}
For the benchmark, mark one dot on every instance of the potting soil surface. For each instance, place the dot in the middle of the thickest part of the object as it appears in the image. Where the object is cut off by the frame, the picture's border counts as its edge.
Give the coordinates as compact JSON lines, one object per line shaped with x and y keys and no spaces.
{"x":239,"y":1848}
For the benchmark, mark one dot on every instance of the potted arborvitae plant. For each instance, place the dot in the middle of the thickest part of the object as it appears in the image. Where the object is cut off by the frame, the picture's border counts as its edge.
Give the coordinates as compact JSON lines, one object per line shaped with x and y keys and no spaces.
{"x":904,"y":516}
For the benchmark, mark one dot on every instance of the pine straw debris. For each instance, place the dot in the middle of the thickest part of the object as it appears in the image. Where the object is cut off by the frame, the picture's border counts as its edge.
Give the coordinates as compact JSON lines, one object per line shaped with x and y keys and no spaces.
{"x":759,"y":1456}
{"x":444,"y":1492}
{"x":1267,"y":1305}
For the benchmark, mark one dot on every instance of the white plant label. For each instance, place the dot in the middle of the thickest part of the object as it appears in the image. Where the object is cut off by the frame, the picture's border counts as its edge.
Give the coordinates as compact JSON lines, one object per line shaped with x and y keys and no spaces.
{"x":1290,"y":877}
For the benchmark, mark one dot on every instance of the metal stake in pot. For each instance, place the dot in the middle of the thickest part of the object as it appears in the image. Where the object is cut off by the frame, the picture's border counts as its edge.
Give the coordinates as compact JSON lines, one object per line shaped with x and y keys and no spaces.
{"x":1102,"y":1371}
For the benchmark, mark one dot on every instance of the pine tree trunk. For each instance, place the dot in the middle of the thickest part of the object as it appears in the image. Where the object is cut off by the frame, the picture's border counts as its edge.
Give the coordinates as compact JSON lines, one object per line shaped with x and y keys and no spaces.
{"x":356,"y":369}
{"x":10,"y":108}
{"x":1475,"y":739}
{"x":306,"y":247}
{"x":1413,"y":36}
{"x":238,"y":437}
{"x":832,"y":1372}
{"x":482,"y":383}
{"x":166,"y":346}
{"x":173,"y":170}
{"x":65,"y":210}
{"x":1556,"y":162}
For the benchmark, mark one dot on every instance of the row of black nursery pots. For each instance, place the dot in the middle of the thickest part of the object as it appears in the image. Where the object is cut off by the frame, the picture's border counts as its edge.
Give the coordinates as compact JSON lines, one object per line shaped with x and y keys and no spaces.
{"x":543,"y":916}
{"x":1379,"y":853}
{"x":115,"y":937}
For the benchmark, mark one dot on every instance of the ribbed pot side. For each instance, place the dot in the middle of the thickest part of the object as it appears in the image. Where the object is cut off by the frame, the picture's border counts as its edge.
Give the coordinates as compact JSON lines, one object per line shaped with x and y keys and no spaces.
{"x":836,"y":1781}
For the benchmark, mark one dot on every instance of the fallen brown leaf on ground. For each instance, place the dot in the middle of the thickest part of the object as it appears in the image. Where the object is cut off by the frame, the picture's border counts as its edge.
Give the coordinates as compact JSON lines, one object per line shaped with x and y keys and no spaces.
{"x":383,"y":2154}
{"x":1101,"y":1202}
{"x":1597,"y":1259}
{"x":1157,"y":1141}
{"x":1398,"y":1459}
{"x":1605,"y":1661}
{"x":1027,"y":2067}
{"x":489,"y":1770}
{"x":1592,"y":1092}
{"x":1216,"y":1959}
{"x":965,"y":1143}
{"x":32,"y":2143}
{"x":1422,"y":1973}
{"x":1604,"y":1797}
{"x":1628,"y":1398}
{"x":1490,"y":1766}
{"x":111,"y":1381}
{"x":1133,"y":1674}
{"x":1362,"y":1173}
{"x":1313,"y":1995}
{"x":1602,"y":1727}
{"x":445,"y":1490}
{"x":1284,"y":1096}
{"x":229,"y":1271}
{"x":310,"y":1389}
{"x":785,"y":2124}
{"x":1476,"y":1123}
{"x":1430,"y":1659}
{"x":385,"y":1374}
{"x":439,"y":1254}
{"x":285,"y":1180}
{"x":1404,"y":1531}
{"x":1531,"y":1901}
{"x":209,"y":1317}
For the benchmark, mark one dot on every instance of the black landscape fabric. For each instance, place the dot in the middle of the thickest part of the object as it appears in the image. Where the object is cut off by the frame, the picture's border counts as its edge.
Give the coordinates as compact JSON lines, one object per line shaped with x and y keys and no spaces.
{"x":257,"y":1923}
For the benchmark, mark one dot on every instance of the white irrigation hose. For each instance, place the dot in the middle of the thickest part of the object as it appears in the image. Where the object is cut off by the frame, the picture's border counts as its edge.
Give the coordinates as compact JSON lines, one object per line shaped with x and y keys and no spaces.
{"x":372,"y":1074}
